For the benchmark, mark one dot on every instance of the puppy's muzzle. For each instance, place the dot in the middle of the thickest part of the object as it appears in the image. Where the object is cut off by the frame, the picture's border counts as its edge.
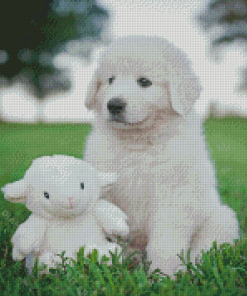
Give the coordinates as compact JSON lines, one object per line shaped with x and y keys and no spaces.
{"x":116,"y":106}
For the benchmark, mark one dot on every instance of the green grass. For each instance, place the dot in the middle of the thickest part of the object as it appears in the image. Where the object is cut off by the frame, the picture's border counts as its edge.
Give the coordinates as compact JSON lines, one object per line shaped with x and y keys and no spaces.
{"x":223,"y":271}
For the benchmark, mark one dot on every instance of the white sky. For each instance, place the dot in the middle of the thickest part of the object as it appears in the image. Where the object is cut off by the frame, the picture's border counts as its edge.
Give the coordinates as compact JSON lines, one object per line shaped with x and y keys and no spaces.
{"x":172,"y":19}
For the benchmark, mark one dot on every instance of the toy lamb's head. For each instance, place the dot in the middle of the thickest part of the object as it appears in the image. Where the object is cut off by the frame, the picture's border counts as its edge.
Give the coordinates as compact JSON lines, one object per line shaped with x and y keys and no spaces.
{"x":58,"y":186}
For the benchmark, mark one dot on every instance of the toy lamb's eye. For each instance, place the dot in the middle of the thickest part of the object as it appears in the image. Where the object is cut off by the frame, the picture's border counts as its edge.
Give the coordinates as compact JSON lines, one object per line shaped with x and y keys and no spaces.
{"x":46,"y":194}
{"x":82,"y":185}
{"x":111,"y":79}
{"x":144,"y":82}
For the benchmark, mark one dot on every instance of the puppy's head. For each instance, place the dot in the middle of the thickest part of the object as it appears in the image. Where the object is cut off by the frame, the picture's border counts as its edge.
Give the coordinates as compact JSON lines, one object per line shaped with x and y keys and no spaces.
{"x":139,"y":75}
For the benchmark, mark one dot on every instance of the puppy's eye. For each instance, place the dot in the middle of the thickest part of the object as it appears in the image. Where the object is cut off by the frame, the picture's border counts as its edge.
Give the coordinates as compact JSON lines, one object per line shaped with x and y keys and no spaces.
{"x":144,"y":82}
{"x":46,"y":194}
{"x":111,"y":79}
{"x":82,"y":185}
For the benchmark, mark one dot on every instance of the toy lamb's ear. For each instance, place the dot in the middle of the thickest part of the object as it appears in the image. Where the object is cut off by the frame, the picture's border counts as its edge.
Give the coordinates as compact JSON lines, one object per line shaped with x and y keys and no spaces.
{"x":16,"y":191}
{"x":107,"y":178}
{"x":93,"y":88}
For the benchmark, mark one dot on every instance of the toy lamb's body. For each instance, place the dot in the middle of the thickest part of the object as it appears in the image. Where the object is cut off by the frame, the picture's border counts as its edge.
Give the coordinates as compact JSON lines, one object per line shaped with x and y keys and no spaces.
{"x":62,"y":192}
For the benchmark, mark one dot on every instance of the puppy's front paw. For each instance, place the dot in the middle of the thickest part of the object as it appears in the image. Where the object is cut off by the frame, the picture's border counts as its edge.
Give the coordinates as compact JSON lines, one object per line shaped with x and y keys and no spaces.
{"x":50,"y":259}
{"x":113,"y":247}
{"x":17,"y":254}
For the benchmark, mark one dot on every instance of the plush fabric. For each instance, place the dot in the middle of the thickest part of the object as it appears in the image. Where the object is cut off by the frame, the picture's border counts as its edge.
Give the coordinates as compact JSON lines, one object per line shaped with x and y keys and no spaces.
{"x":63,"y":194}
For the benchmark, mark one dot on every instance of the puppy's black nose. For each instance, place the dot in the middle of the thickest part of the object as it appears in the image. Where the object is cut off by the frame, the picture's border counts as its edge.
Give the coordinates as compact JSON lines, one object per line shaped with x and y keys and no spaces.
{"x":116,"y":106}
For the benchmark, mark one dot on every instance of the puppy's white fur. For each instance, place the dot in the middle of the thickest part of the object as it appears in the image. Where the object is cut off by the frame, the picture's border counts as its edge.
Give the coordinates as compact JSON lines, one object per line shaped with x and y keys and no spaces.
{"x":166,"y":183}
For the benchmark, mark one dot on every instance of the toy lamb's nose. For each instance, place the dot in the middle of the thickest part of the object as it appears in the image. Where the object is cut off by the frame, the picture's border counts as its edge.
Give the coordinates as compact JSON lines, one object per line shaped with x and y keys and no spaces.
{"x":70,"y":203}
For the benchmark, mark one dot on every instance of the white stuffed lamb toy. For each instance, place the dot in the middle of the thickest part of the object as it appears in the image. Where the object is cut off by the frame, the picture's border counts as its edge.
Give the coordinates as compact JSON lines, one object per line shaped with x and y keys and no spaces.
{"x":63,"y":194}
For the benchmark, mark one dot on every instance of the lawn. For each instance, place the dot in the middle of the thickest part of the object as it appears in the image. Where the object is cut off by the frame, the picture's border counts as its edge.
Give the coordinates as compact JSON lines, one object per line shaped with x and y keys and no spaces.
{"x":223,"y":271}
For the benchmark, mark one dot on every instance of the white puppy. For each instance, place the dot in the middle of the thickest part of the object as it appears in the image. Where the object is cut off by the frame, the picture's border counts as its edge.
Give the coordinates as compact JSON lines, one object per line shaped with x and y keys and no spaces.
{"x":145,"y":131}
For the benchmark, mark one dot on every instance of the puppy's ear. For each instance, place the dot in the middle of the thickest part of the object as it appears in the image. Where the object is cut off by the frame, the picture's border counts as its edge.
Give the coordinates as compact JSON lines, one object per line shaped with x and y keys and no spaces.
{"x":185,"y":89}
{"x":16,"y":191}
{"x":93,"y":88}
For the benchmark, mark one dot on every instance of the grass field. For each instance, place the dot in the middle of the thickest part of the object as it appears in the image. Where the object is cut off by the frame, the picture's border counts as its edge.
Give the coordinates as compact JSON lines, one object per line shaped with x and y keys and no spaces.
{"x":224,"y":271}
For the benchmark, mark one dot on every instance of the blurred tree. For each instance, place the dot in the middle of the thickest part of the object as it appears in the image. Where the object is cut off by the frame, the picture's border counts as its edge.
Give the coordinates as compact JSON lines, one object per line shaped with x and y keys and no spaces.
{"x":33,"y":31}
{"x":226,"y":22}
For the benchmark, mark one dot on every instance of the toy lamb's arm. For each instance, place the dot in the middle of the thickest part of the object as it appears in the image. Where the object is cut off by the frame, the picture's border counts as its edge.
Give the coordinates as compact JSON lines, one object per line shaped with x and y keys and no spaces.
{"x":111,"y":218}
{"x":28,"y":237}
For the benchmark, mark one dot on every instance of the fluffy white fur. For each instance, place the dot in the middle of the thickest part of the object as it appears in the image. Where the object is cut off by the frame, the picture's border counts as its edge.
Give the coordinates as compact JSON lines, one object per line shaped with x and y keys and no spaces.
{"x":166,"y":183}
{"x":72,"y":216}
